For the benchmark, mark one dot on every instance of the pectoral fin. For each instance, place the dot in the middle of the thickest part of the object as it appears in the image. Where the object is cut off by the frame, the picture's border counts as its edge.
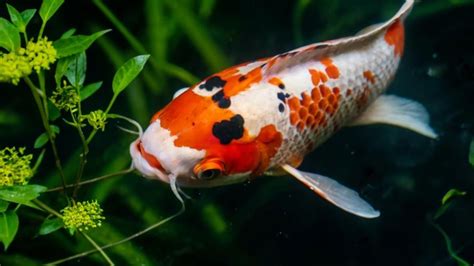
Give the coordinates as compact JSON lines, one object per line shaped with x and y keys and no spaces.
{"x":339,"y":195}
{"x":393,"y":110}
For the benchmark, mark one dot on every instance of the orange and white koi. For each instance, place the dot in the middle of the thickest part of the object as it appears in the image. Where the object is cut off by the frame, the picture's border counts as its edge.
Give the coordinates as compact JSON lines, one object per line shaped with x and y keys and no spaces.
{"x":263,"y":117}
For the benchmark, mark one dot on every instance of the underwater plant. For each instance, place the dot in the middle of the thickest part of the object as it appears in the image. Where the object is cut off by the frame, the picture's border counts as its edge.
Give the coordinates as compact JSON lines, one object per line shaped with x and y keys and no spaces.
{"x":28,"y":63}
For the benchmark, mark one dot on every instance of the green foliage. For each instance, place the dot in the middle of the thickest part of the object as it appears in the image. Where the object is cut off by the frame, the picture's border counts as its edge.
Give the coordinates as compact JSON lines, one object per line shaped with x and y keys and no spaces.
{"x":9,"y":35}
{"x":76,"y":44}
{"x":128,"y":72}
{"x":451,"y":194}
{"x":8,"y":227}
{"x":89,"y":90}
{"x":20,"y":20}
{"x":446,"y":203}
{"x":42,"y":139}
{"x":36,"y":57}
{"x":49,"y":8}
{"x":76,"y":71}
{"x":3,"y":205}
{"x":50,"y":225}
{"x":22,"y":194}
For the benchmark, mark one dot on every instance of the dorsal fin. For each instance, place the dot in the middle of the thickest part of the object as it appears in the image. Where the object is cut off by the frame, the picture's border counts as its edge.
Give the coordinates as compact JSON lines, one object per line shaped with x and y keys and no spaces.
{"x":320,"y":50}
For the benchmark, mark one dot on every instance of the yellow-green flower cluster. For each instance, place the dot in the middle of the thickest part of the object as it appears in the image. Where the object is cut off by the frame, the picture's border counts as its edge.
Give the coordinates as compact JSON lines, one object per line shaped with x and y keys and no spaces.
{"x":13,"y":67}
{"x":36,"y":56}
{"x":97,"y":119}
{"x":40,"y":54}
{"x":15,"y":167}
{"x":65,"y":98}
{"x":83,"y":215}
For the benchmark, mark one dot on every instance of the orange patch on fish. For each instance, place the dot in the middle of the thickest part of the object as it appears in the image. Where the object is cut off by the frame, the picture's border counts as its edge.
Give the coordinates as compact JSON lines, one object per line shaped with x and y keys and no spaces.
{"x":275,"y":81}
{"x":191,"y":113}
{"x":315,"y":77}
{"x":310,"y":110}
{"x":331,"y":70}
{"x":395,"y":36}
{"x":369,"y":76}
{"x":363,"y":98}
{"x":239,"y":83}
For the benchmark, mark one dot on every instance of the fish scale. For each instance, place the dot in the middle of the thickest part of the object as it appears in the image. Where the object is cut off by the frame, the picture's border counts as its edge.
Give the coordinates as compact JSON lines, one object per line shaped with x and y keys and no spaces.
{"x":378,"y":57}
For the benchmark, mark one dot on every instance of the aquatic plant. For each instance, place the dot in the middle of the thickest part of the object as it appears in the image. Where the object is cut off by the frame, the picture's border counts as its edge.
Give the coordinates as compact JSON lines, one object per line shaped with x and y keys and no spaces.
{"x":446,"y":203}
{"x":31,"y":62}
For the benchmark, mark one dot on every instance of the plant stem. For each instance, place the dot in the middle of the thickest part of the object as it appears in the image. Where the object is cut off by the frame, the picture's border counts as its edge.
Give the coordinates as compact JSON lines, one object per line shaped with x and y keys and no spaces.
{"x":85,"y":151}
{"x":98,"y":248}
{"x":46,"y":208}
{"x":460,"y":261}
{"x":45,"y":120}
{"x":25,"y":36}
{"x":41,"y":30}
{"x":146,"y":230}
{"x":93,"y":180}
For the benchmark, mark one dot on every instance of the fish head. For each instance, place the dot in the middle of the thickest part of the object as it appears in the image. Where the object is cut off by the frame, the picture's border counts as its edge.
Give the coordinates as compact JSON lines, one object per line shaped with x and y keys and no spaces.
{"x":197,"y":143}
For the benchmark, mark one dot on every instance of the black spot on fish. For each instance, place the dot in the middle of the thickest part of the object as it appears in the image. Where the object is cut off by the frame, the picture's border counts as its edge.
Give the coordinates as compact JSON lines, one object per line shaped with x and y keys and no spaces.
{"x":221,"y":100}
{"x":212,"y":82}
{"x":281,"y":86}
{"x":228,"y":130}
{"x":281,"y":108}
{"x":281,"y":96}
{"x":218,"y":95}
{"x":263,"y":65}
{"x":242,"y":78}
{"x":224,"y":103}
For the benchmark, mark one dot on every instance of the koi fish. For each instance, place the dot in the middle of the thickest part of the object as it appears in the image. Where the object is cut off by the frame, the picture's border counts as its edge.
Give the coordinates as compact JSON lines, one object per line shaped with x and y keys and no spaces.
{"x":263,"y":117}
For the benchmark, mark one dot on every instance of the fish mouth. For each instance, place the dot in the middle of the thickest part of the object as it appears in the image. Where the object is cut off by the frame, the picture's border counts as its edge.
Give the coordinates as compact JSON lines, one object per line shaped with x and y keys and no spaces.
{"x":146,"y":163}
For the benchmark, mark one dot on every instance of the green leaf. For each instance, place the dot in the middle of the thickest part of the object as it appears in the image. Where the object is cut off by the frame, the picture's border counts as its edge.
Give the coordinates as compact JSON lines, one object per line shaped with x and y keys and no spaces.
{"x":48,"y":8}
{"x":128,"y":72}
{"x":16,"y":18}
{"x":41,"y":140}
{"x":471,"y":153}
{"x":27,"y":15}
{"x":89,"y":90}
{"x":51,"y":225}
{"x":53,"y":111}
{"x":76,"y":44}
{"x":3,"y":205}
{"x":39,"y":161}
{"x":61,"y":68}
{"x":21,"y":194}
{"x":55,"y":129}
{"x":8,"y":227}
{"x":452,"y":193}
{"x":68,"y":33}
{"x":76,"y":71}
{"x":9,"y":35}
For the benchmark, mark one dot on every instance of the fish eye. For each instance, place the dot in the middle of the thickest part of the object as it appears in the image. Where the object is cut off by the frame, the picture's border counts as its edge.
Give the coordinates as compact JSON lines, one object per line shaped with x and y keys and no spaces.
{"x":209,"y":169}
{"x":209,"y":174}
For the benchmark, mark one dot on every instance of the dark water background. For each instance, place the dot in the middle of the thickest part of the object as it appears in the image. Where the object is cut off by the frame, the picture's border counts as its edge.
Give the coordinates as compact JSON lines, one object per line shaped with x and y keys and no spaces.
{"x":269,"y":221}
